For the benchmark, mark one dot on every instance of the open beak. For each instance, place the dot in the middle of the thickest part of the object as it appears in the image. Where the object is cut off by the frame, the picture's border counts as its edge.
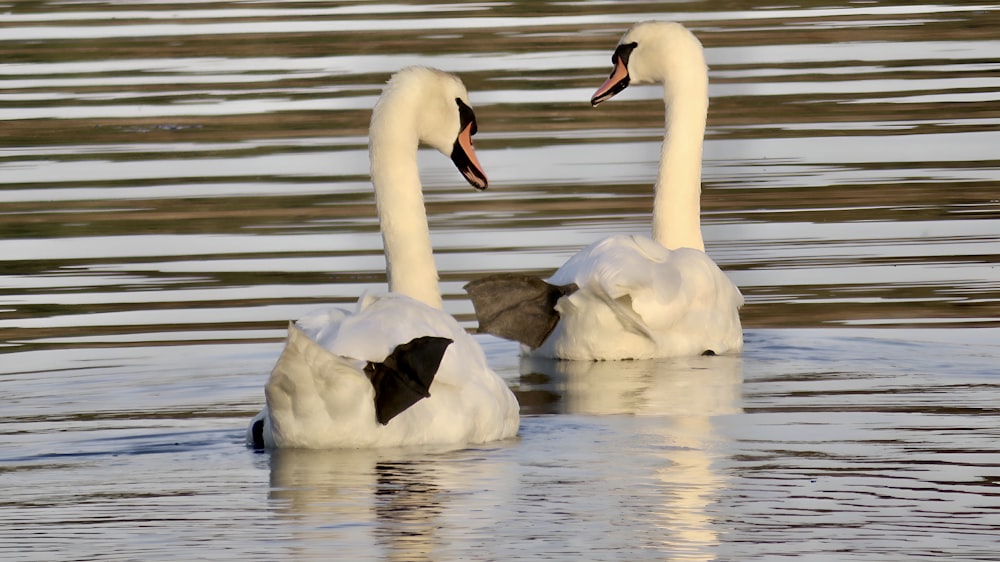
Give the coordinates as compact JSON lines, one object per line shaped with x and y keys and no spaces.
{"x":615,"y":83}
{"x":464,"y":157}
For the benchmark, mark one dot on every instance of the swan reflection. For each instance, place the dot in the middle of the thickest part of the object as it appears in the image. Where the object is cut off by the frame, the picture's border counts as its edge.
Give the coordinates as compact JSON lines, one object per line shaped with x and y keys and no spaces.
{"x":684,"y":395}
{"x":633,"y":458}
{"x":358,"y":501}
{"x":685,"y":386}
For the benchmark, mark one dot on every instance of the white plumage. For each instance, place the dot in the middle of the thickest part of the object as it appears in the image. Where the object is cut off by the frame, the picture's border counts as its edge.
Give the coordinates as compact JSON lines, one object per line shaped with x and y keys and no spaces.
{"x":635,"y":297}
{"x":639,"y":300}
{"x":320,"y":393}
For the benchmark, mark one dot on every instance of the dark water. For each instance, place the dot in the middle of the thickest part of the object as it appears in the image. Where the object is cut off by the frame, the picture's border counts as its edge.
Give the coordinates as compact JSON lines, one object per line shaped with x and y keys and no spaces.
{"x":179,"y":179}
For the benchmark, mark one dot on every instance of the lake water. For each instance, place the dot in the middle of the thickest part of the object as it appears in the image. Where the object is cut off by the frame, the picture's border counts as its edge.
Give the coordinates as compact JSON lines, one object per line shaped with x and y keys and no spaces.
{"x":178,"y":179}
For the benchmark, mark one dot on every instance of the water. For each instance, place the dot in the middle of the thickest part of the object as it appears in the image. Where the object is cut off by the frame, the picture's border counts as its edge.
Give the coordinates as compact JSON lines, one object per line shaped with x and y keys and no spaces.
{"x":178,"y":180}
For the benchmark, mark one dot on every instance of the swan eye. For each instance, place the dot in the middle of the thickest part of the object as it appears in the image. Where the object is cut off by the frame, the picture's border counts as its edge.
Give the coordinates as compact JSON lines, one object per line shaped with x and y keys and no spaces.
{"x":465,"y":116}
{"x":623,"y":52}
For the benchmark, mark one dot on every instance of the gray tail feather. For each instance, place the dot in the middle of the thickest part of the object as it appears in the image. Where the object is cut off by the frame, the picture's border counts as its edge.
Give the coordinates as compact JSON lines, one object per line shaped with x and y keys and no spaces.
{"x":517,"y":307}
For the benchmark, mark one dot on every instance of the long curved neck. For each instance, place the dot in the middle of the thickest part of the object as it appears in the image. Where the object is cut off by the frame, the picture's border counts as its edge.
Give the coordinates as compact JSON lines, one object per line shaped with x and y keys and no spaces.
{"x":677,"y":200}
{"x":409,"y":258}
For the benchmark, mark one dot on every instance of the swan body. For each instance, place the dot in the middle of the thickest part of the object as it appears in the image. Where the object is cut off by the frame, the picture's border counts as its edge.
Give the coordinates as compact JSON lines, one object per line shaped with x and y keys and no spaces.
{"x":636,"y":297}
{"x":318,"y":395}
{"x":397,"y":370}
{"x":639,"y":300}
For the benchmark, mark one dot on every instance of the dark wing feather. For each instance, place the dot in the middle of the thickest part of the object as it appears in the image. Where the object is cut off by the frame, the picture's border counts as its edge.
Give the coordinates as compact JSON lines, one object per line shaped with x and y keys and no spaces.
{"x":405,"y":376}
{"x":517,"y":307}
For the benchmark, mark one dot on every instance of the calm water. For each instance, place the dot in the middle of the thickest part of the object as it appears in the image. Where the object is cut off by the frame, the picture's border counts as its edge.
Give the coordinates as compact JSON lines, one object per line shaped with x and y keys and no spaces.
{"x":179,"y":179}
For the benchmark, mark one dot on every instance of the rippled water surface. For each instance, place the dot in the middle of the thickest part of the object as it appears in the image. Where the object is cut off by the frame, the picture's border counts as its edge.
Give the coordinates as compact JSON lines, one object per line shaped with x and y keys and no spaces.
{"x":179,"y":179}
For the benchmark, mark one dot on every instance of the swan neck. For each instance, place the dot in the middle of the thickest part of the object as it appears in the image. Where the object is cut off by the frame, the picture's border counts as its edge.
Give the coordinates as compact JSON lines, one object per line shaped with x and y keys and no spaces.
{"x":677,"y":199}
{"x":409,"y":258}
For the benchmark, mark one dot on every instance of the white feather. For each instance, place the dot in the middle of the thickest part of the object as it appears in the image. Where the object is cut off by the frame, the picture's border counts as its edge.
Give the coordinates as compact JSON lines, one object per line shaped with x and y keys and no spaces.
{"x":638,"y":300}
{"x":318,"y":395}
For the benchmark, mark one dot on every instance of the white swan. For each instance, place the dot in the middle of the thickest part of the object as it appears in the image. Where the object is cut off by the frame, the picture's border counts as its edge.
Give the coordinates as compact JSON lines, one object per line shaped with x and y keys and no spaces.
{"x":398,"y":370}
{"x":632,"y":297}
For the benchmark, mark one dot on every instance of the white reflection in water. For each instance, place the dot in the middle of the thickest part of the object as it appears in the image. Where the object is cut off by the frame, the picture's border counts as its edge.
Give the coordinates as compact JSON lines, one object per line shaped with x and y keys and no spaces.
{"x":41,"y":80}
{"x":210,"y":108}
{"x":206,"y":14}
{"x":354,"y":162}
{"x":388,"y":505}
{"x":428,"y":504}
{"x":333,"y":24}
{"x":172,"y":191}
{"x":688,"y":393}
{"x":196,"y":70}
{"x":855,"y":87}
{"x":154,"y":245}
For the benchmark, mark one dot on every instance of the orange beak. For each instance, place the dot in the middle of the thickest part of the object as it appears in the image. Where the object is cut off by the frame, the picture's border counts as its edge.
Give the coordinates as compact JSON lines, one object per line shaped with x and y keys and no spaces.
{"x":464,"y":157}
{"x":615,"y":83}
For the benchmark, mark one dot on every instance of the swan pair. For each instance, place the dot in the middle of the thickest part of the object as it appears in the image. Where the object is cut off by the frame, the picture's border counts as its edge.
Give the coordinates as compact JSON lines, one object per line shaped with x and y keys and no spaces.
{"x":399,"y":371}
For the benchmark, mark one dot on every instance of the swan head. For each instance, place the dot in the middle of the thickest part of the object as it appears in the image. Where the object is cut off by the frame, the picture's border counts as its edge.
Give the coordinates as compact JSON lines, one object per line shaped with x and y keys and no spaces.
{"x":436,"y":105}
{"x":654,"y":52}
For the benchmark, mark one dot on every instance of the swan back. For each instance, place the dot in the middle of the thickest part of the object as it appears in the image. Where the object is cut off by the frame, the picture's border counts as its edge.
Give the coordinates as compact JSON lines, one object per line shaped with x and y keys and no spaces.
{"x":319,"y":395}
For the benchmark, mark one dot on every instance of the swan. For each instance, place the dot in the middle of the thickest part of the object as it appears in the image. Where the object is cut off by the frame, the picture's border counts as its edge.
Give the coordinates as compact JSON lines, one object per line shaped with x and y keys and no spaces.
{"x":397,"y":370}
{"x":631,"y":296}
